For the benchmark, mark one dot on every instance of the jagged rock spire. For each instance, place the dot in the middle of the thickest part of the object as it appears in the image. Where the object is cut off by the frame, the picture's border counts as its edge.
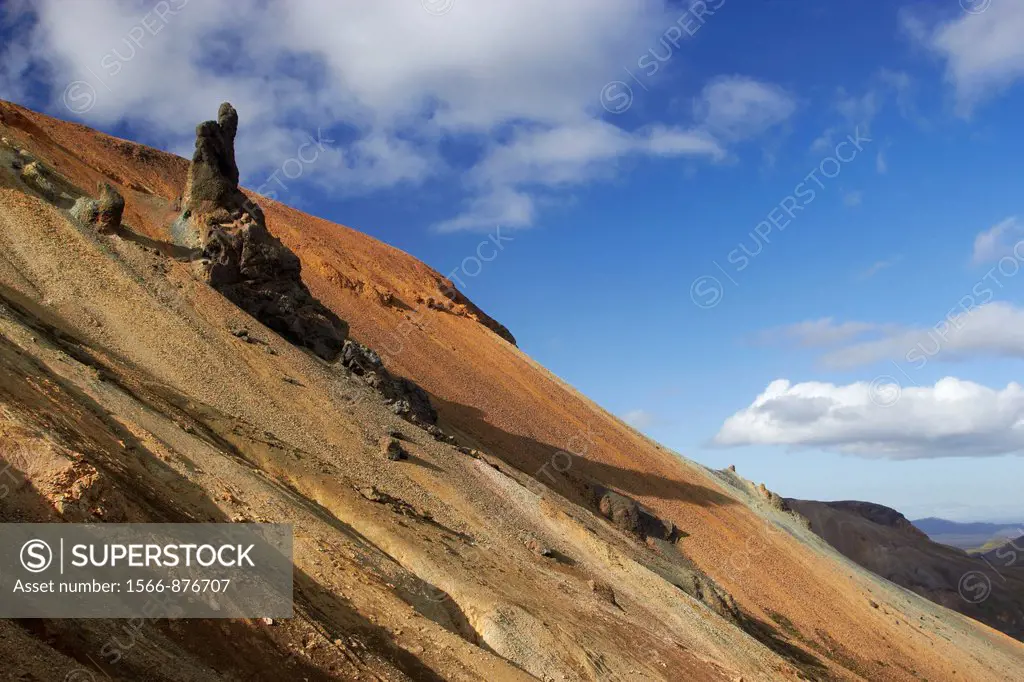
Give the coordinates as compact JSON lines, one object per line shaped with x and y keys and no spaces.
{"x":240,"y":257}
{"x":213,"y":174}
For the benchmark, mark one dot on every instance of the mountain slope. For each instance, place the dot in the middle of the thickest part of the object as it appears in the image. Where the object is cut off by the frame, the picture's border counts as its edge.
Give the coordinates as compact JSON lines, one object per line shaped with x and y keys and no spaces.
{"x":127,"y":397}
{"x":885,"y":543}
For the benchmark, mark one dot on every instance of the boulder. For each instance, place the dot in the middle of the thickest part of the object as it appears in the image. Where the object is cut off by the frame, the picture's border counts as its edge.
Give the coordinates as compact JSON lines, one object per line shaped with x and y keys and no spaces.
{"x":47,"y":184}
{"x":537,"y":547}
{"x":391,"y":448}
{"x":630,"y":516}
{"x":362,"y":360}
{"x":621,"y":511}
{"x":104,"y":213}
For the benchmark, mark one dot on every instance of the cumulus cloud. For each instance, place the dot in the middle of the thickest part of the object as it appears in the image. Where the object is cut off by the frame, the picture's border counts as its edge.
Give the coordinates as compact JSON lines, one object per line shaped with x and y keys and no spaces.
{"x":992,"y":329}
{"x":737,"y":108}
{"x":968,"y":330}
{"x":514,"y":85}
{"x":998,"y":241}
{"x":982,"y":51}
{"x":953,"y":418}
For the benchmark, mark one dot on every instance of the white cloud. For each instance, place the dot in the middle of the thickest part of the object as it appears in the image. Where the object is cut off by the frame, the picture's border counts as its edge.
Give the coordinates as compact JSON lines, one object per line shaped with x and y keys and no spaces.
{"x":519,"y":83}
{"x":824,"y":142}
{"x":504,"y":206}
{"x":639,"y":419}
{"x":902,"y":87}
{"x":968,"y":330}
{"x":983,"y":52}
{"x":563,"y":156}
{"x":821,"y":333}
{"x":881,"y":165}
{"x":860,"y":110}
{"x":998,"y":241}
{"x":953,"y":418}
{"x":737,"y":108}
{"x":853,"y":198}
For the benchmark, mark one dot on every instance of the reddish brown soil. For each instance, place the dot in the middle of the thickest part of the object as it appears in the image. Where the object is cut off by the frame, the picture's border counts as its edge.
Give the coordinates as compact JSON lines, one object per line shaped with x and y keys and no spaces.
{"x":808,"y":609}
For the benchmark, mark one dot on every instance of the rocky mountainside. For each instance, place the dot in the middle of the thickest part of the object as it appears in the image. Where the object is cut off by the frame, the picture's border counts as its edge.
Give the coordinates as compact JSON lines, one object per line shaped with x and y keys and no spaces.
{"x":989,"y":589}
{"x":175,"y":348}
{"x":877,"y":513}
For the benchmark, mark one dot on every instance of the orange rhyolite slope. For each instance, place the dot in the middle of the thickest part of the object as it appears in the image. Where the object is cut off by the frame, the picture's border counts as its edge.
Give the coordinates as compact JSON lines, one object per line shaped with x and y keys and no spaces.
{"x":498,"y":400}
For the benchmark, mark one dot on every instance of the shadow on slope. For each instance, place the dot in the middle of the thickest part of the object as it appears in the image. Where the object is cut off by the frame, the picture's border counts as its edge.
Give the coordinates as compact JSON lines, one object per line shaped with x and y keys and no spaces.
{"x":571,"y":475}
{"x":134,"y":484}
{"x":578,"y":479}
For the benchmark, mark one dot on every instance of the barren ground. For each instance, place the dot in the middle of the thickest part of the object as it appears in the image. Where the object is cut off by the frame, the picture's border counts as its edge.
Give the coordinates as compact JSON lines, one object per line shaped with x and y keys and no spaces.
{"x":125,"y":397}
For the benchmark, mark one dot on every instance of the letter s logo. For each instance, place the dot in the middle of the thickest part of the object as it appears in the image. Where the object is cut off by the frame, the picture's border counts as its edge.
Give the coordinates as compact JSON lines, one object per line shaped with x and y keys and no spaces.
{"x":36,"y":556}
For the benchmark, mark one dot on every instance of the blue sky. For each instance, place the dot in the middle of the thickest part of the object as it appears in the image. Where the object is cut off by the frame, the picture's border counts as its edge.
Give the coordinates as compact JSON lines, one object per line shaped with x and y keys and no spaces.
{"x":652,"y":164}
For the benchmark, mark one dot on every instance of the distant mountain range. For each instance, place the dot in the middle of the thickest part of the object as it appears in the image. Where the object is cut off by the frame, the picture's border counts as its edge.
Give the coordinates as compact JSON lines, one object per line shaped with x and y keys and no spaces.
{"x":968,"y":535}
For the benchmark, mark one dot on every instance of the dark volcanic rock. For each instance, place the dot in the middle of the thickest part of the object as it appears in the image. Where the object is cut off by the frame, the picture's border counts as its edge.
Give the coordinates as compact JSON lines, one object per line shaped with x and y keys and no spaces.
{"x":989,"y":589}
{"x":241,"y":258}
{"x":391,"y":448}
{"x":627,"y":514}
{"x":213,"y":175}
{"x":103,"y":213}
{"x":622,"y":511}
{"x":362,"y":360}
{"x":407,"y":399}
